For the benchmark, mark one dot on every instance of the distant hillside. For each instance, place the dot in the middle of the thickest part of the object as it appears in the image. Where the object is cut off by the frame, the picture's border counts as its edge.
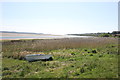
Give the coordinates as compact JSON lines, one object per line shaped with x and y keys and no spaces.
{"x":19,"y":32}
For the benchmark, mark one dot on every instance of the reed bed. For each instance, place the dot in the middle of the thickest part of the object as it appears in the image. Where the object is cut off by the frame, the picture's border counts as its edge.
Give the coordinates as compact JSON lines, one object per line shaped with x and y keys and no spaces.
{"x":20,"y":48}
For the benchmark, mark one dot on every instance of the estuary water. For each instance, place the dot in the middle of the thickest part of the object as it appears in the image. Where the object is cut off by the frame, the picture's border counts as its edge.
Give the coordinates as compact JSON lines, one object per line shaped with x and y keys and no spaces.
{"x":42,"y":37}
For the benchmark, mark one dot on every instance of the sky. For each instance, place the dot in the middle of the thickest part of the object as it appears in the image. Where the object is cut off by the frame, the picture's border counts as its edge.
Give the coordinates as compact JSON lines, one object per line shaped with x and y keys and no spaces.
{"x":59,"y":17}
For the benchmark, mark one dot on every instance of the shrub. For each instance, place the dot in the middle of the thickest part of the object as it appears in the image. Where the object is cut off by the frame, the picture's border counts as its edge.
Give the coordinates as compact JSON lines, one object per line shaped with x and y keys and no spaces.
{"x":100,"y":55}
{"x":6,"y":73}
{"x":85,"y":50}
{"x":5,"y":68}
{"x":91,"y":54}
{"x":72,"y":53}
{"x":105,"y":35}
{"x":82,"y":70}
{"x":94,"y":51}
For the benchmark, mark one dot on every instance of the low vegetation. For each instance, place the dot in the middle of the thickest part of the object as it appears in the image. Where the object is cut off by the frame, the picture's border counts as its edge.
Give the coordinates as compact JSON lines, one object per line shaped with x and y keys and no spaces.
{"x":101,"y":34}
{"x":105,"y":35}
{"x":72,"y":58}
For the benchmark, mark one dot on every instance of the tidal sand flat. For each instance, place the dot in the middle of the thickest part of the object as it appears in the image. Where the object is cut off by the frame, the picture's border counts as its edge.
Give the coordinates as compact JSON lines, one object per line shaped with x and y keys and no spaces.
{"x":18,"y":36}
{"x":72,"y":58}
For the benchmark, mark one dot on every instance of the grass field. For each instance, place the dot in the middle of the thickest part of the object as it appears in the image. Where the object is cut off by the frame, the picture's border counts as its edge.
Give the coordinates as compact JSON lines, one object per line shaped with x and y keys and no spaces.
{"x":72,"y":58}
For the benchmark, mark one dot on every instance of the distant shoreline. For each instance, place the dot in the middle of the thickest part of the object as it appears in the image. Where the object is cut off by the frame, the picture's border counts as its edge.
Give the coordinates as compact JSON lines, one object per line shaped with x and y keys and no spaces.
{"x":42,"y":38}
{"x":18,"y":36}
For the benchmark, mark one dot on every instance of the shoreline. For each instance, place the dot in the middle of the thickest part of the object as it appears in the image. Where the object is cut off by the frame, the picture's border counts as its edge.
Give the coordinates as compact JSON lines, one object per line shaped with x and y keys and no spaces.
{"x":41,"y":37}
{"x":29,"y":38}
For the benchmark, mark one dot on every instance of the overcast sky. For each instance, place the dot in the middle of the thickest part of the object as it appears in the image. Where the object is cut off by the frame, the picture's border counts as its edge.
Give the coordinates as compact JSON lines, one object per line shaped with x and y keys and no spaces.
{"x":59,"y":17}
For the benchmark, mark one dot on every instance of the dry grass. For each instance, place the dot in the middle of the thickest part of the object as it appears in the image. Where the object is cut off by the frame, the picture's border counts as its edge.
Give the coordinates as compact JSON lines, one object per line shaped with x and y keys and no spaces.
{"x":19,"y":48}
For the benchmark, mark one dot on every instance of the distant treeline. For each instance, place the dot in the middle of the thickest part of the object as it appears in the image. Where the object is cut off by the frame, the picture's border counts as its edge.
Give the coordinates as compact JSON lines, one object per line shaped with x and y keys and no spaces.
{"x":100,"y":34}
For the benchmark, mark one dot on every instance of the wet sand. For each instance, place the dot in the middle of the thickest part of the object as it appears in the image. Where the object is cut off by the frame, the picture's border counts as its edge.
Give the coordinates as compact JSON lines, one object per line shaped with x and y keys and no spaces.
{"x":27,"y":35}
{"x":18,"y":34}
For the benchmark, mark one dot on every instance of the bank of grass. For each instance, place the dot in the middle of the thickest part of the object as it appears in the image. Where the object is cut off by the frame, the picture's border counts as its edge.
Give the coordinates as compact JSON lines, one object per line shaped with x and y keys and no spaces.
{"x":19,"y":48}
{"x":72,"y":58}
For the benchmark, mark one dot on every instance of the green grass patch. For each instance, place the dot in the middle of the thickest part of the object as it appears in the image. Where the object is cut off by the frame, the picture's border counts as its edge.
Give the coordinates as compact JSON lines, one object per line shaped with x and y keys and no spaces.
{"x":70,"y":62}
